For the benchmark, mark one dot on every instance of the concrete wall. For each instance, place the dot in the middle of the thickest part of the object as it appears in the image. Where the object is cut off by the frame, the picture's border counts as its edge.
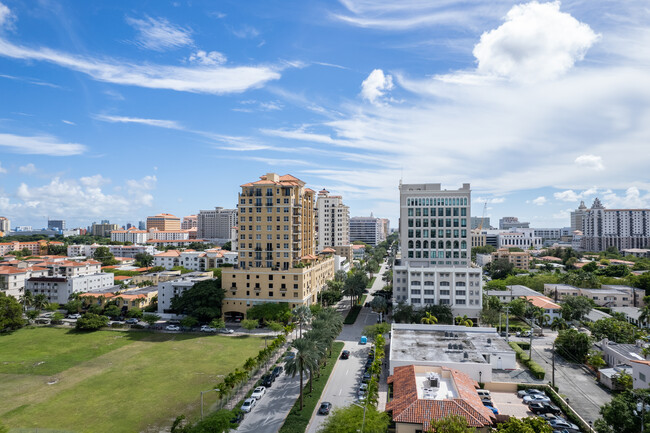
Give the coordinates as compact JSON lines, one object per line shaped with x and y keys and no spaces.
{"x":501,"y":386}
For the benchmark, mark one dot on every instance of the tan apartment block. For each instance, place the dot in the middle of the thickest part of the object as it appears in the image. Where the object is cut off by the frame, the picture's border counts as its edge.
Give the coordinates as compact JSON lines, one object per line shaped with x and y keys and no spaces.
{"x":520,"y":259}
{"x":163,"y":222}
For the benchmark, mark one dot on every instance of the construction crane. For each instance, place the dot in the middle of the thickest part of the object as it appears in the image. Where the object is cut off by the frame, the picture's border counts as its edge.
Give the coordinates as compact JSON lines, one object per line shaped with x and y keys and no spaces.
{"x":480,"y":227}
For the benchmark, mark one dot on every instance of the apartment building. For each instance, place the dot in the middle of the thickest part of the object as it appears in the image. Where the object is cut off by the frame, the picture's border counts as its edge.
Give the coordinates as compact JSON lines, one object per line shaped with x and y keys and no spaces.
{"x":58,"y":225}
{"x":132,"y":235}
{"x":196,"y":260}
{"x":577,"y":217}
{"x":13,"y":278}
{"x":218,"y":225}
{"x":189,"y":222}
{"x":168,"y":289}
{"x":606,"y":296}
{"x":435,"y":265}
{"x":129,"y":251}
{"x":523,"y":238}
{"x":168,"y":235}
{"x":370,"y":230}
{"x":510,"y":222}
{"x":58,"y":289}
{"x":333,"y":221}
{"x":163,"y":221}
{"x":277,"y":260}
{"x":620,"y":228}
{"x":5,"y":225}
{"x":520,"y":259}
{"x":35,"y":248}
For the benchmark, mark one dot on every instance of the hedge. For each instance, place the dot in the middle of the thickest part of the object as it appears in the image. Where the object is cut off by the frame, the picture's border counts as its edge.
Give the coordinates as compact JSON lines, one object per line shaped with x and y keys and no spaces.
{"x":352,"y":315}
{"x":555,"y":398}
{"x":523,"y":345}
{"x":370,"y":282}
{"x":534,"y":367}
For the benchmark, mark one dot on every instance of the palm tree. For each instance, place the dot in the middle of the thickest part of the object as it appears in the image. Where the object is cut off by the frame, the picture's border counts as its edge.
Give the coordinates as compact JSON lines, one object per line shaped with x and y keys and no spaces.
{"x":40,"y":302}
{"x":302,"y":314}
{"x":644,"y":317}
{"x":559,"y":324}
{"x":429,"y":319}
{"x":302,"y":362}
{"x":27,"y":299}
{"x":464,"y":321}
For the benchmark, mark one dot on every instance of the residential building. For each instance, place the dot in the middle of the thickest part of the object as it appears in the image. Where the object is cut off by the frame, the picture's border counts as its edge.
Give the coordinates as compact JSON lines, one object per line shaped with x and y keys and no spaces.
{"x":58,"y":289}
{"x":5,"y":225}
{"x":168,"y":235}
{"x":117,"y":250}
{"x":13,"y":278}
{"x":577,"y":217}
{"x":510,"y":222}
{"x":520,"y":259}
{"x":632,"y":315}
{"x":512,"y":292}
{"x":332,"y":221}
{"x":550,"y":308}
{"x":124,"y":299}
{"x":103,"y":229}
{"x":168,"y":289}
{"x":521,"y":238}
{"x":195,"y":260}
{"x":163,"y":221}
{"x":474,"y":351}
{"x":620,"y":228}
{"x":422,"y":394}
{"x":475,"y":223}
{"x":435,"y":265}
{"x":35,"y":248}
{"x":58,"y":225}
{"x":483,"y":259}
{"x":609,"y":376}
{"x":277,"y":261}
{"x":358,"y":252}
{"x":132,"y":235}
{"x":636,"y":252}
{"x":218,"y":225}
{"x":385,"y":223}
{"x":189,"y":222}
{"x":641,"y":374}
{"x":606,"y":296}
{"x":160,"y":243}
{"x":549,"y":236}
{"x":618,"y":353}
{"x":479,"y":238}
{"x":370,"y":230}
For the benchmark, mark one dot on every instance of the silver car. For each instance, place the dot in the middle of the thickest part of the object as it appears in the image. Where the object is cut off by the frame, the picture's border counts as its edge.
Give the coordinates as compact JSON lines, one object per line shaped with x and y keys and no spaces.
{"x":248,"y":405}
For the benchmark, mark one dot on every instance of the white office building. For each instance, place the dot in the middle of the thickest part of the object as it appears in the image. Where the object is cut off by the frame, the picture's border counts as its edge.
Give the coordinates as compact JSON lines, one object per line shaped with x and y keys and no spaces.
{"x":519,"y":238}
{"x":333,"y":221}
{"x":620,"y":228}
{"x":58,"y":289}
{"x":370,"y":230}
{"x":435,"y":265}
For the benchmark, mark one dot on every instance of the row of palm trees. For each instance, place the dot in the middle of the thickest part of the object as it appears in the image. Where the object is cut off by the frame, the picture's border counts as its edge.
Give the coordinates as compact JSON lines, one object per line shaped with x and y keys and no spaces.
{"x":313,"y":346}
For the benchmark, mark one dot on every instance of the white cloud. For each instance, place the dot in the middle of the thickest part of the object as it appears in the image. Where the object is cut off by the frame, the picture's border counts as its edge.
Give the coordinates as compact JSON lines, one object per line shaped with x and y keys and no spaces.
{"x":83,"y":198}
{"x":207,"y":58}
{"x":159,"y":34}
{"x":27,"y":169}
{"x":7,"y":17}
{"x":493,"y":200}
{"x":196,"y":79}
{"x":568,"y":195}
{"x":169,"y":124}
{"x":590,"y":161}
{"x":376,"y":85}
{"x":39,"y":145}
{"x":540,"y":201}
{"x":68,"y":122}
{"x":632,"y":199}
{"x":246,"y":32}
{"x":536,"y":42}
{"x":2,"y":169}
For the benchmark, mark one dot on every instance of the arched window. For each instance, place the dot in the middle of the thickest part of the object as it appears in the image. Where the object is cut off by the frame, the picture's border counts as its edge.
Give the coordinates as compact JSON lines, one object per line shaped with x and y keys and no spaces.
{"x":455,"y":244}
{"x":448,"y":245}
{"x":410,"y":244}
{"x":425,"y":244}
{"x":418,"y":244}
{"x":441,"y":245}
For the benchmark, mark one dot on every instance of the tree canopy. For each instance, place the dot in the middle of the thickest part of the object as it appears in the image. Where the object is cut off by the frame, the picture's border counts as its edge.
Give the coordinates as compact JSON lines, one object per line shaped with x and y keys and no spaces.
{"x":104,"y":255}
{"x":11,"y":313}
{"x":525,"y":425}
{"x":576,"y":307}
{"x":573,"y":345}
{"x":348,"y":419}
{"x":614,"y":330}
{"x":618,"y":415}
{"x":203,"y":301}
{"x":270,"y":311}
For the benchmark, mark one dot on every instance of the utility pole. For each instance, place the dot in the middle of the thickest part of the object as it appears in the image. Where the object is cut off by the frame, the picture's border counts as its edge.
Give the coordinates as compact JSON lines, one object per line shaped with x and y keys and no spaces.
{"x":553,"y":366}
{"x":507,"y":308}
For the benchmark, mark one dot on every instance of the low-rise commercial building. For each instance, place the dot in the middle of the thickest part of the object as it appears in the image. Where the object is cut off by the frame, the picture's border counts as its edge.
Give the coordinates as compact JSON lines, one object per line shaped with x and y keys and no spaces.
{"x":619,"y":353}
{"x":607,"y":296}
{"x":520,"y":259}
{"x":168,"y":289}
{"x":641,"y":374}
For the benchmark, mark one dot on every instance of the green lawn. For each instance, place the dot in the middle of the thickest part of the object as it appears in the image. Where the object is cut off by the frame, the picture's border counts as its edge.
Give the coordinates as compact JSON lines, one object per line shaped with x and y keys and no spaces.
{"x":111,"y":381}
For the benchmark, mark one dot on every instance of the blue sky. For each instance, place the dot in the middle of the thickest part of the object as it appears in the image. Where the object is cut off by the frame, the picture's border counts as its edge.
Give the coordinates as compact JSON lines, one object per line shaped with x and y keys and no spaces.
{"x":111,"y":110}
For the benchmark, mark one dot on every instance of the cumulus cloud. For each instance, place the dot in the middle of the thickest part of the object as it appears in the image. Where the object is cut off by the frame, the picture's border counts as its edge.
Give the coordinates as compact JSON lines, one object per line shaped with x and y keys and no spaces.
{"x":39,"y":145}
{"x":540,"y":201}
{"x":633,"y":198}
{"x":159,"y":34}
{"x":27,"y":169}
{"x":84,"y":198}
{"x":376,"y":85}
{"x":568,"y":195}
{"x":590,"y":161}
{"x":536,"y":42}
{"x":207,"y":58}
{"x":7,"y":17}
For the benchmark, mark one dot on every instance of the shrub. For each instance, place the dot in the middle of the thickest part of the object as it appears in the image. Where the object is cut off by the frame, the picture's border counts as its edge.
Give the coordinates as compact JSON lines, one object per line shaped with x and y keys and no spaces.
{"x":352,"y":315}
{"x":535,"y":369}
{"x":91,"y":322}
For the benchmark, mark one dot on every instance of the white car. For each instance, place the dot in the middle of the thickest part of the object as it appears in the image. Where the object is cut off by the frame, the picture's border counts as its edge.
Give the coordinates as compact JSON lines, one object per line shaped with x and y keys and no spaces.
{"x":225,"y":331}
{"x":531,"y":391}
{"x":206,"y":328}
{"x":248,"y":405}
{"x":258,"y":392}
{"x":172,"y":328}
{"x":536,"y":398}
{"x":74,"y":316}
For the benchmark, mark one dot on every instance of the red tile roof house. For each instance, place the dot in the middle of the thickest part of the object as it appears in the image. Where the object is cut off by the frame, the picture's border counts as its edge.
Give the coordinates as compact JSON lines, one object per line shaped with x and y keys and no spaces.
{"x":425,"y":393}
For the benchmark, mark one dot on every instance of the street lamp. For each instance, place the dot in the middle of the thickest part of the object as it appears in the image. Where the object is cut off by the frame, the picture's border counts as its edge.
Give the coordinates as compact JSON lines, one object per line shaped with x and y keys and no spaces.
{"x":641,"y":409}
{"x":364,"y":414}
{"x":203,"y":392}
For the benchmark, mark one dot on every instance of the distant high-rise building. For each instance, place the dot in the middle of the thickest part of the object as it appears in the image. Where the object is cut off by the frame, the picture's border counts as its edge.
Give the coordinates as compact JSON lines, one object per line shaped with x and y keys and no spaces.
{"x":128,"y":225}
{"x":5,"y":225}
{"x":475,"y":222}
{"x":163,"y":222}
{"x":189,"y":222}
{"x":103,"y":229}
{"x":620,"y":228}
{"x":142,"y":225}
{"x":276,"y":237}
{"x":218,"y":224}
{"x":577,"y":217}
{"x":105,"y":222}
{"x":56,"y":225}
{"x":333,"y":221}
{"x":435,"y":265}
{"x":370,"y":230}
{"x":507,"y":223}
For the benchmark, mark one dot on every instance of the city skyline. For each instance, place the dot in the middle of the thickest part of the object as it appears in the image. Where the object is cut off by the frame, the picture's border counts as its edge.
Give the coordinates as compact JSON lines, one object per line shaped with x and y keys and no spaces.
{"x":120,"y":113}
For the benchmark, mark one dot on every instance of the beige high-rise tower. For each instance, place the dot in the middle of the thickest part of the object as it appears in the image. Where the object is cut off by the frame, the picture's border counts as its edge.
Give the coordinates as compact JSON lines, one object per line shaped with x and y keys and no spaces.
{"x":276,"y":239}
{"x":333,"y":219}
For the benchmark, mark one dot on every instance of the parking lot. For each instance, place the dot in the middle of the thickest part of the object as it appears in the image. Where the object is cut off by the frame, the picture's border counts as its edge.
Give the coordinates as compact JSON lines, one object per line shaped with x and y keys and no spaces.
{"x":508,"y":403}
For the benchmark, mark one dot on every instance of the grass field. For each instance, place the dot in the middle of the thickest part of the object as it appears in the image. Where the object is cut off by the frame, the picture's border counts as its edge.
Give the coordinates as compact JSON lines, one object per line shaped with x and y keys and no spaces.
{"x":111,"y":381}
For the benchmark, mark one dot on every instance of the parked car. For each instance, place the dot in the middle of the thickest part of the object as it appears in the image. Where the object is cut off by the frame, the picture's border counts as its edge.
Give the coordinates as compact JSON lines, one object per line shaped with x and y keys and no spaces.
{"x":487,"y":400}
{"x":172,"y":328}
{"x":561,"y":424}
{"x":206,"y":328}
{"x":248,"y":405}
{"x":366,"y":378}
{"x":238,"y":418}
{"x":539,"y":408}
{"x":258,"y":392}
{"x":550,"y":416}
{"x":225,"y":331}
{"x":493,"y":409}
{"x":267,"y":380}
{"x":277,"y":371}
{"x":325,"y":408}
{"x":345,"y":354}
{"x":536,"y":399}
{"x":483,"y":393}
{"x":363,"y":387}
{"x":132,"y":321}
{"x":361,"y":395}
{"x":363,"y":339}
{"x":74,"y":316}
{"x":524,"y":392}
